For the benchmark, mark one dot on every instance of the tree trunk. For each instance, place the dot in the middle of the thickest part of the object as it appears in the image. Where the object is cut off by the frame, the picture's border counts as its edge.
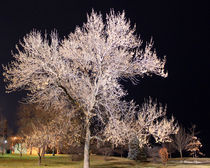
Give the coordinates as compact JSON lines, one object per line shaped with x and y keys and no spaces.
{"x":2,"y":148}
{"x":31,"y":150}
{"x":58,"y":151}
{"x":180,"y":151}
{"x":43,"y":151}
{"x":21,"y":150}
{"x":40,"y":157}
{"x":133,"y":148}
{"x":87,"y":146}
{"x":40,"y":160}
{"x":2,"y":153}
{"x":53,"y":152}
{"x":129,"y":149}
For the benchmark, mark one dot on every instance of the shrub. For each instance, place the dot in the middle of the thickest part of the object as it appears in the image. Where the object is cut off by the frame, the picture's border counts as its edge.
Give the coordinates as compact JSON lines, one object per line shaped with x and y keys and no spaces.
{"x":163,"y":155}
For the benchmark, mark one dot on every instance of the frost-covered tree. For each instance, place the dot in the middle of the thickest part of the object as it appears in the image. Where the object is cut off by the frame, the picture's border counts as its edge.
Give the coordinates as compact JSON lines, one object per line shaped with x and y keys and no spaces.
{"x":194,"y":143}
{"x":83,"y":70}
{"x":39,"y":137}
{"x":135,"y":125}
{"x":194,"y":146}
{"x":34,"y":128}
{"x":66,"y":131}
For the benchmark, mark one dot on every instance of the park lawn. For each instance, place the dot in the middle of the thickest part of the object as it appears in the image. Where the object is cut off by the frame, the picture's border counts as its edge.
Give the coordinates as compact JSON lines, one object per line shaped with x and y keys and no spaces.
{"x":64,"y":161}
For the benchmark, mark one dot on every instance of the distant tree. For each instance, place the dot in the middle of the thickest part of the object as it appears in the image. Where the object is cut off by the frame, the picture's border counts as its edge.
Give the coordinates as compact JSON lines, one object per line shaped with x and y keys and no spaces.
{"x":193,"y":131}
{"x":120,"y":150}
{"x":3,"y":132}
{"x":170,"y":148}
{"x":2,"y":145}
{"x":153,"y":152}
{"x":28,"y":115}
{"x":39,"y":138}
{"x":66,"y":132}
{"x":83,"y":71}
{"x":9,"y":133}
{"x":194,"y":146}
{"x":30,"y":118}
{"x":20,"y":145}
{"x":181,"y":140}
{"x":41,"y":128}
{"x":102,"y":148}
{"x":136,"y":125}
{"x":163,"y":155}
{"x":17,"y":142}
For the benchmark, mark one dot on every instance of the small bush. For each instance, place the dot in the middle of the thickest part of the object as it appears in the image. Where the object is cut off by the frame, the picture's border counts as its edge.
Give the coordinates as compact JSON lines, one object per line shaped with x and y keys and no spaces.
{"x":163,"y":155}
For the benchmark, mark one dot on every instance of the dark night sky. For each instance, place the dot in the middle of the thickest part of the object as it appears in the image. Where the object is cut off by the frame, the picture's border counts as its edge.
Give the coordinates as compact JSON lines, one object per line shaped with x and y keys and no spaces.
{"x":180,"y":31}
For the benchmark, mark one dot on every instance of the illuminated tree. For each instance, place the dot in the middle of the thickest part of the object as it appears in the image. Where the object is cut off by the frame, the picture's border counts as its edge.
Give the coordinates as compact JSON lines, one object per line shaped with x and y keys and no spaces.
{"x":39,"y":137}
{"x":20,"y":145}
{"x":41,"y":128}
{"x":83,"y":71}
{"x":45,"y":133}
{"x":66,"y":131}
{"x":194,"y":146}
{"x":29,"y":115}
{"x":135,"y":125}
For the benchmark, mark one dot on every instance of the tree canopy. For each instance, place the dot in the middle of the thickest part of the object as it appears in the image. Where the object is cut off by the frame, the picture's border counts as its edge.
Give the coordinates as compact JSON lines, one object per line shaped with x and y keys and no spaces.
{"x":82,"y":71}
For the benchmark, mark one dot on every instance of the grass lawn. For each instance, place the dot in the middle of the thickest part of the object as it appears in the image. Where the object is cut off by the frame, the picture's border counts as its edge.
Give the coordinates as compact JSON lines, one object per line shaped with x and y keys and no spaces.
{"x":64,"y":161}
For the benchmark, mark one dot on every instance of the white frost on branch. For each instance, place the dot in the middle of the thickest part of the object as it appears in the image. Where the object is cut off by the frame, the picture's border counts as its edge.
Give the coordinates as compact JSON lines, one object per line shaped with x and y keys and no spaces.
{"x":83,"y":70}
{"x":85,"y":67}
{"x":141,"y":122}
